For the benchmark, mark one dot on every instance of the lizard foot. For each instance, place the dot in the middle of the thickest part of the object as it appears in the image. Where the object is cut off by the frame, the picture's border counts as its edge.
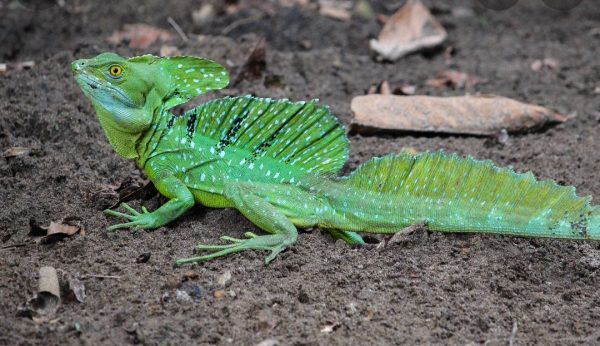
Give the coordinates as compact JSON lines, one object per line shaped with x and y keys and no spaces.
{"x":273,"y":242}
{"x":137,"y":220}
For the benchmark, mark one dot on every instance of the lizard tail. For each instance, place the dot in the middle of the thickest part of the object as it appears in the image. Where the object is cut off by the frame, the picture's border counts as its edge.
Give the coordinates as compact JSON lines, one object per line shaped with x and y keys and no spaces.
{"x":454,"y":194}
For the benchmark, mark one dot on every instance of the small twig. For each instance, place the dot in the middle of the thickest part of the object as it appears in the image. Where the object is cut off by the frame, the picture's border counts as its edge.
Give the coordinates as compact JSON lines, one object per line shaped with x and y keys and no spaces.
{"x":178,"y":29}
{"x":12,"y":246}
{"x":101,"y":276}
{"x":239,"y":22}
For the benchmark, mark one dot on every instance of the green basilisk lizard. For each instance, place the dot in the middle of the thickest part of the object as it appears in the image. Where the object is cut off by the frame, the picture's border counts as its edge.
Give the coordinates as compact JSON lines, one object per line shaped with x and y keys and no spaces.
{"x":277,"y":161}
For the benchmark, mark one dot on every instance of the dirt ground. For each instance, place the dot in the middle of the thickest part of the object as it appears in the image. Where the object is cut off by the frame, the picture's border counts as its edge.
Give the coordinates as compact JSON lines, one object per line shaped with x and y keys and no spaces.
{"x":429,"y":289}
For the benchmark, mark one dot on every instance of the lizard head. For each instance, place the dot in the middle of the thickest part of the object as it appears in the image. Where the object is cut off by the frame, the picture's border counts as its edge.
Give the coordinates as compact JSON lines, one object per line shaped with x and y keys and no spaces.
{"x":128,"y":92}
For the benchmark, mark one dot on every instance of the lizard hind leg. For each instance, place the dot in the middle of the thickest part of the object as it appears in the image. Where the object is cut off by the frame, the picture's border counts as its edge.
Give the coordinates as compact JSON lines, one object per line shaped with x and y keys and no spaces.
{"x":263,"y":214}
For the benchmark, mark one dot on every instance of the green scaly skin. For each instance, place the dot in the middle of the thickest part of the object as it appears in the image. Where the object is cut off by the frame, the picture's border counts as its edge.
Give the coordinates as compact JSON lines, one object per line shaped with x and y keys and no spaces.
{"x":277,"y":163}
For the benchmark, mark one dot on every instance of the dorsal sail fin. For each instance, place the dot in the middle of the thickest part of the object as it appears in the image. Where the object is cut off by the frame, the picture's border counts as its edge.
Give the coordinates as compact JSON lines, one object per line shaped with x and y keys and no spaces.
{"x":302,"y":134}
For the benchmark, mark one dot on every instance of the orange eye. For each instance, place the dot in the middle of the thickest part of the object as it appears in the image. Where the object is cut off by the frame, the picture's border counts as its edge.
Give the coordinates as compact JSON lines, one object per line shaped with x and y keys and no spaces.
{"x":115,"y":70}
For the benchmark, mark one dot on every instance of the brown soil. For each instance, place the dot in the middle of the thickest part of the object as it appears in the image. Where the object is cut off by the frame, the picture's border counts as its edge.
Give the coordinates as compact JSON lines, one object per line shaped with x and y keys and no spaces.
{"x":431,"y":288}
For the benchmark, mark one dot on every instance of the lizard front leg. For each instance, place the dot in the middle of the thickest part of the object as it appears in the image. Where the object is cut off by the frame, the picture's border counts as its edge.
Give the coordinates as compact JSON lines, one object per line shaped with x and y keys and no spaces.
{"x":180,"y":200}
{"x":264,"y":215}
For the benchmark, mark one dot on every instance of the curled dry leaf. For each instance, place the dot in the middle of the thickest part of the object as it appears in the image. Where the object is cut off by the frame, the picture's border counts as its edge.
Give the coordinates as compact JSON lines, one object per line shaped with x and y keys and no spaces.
{"x":76,"y":290}
{"x":410,"y":29}
{"x":46,"y":300}
{"x":475,"y":115}
{"x":139,"y":35}
{"x":58,"y":231}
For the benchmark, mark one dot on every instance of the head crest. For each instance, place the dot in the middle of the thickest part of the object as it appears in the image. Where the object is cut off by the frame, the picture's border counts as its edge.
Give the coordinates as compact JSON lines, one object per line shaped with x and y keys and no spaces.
{"x":186,"y":77}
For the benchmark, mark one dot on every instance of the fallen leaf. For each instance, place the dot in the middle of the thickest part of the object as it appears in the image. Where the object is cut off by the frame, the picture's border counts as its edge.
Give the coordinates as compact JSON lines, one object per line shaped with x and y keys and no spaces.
{"x":410,"y":29}
{"x":46,"y":300}
{"x":335,"y":11}
{"x":139,"y":35}
{"x":330,"y":326}
{"x":15,"y":151}
{"x":76,"y":290}
{"x":455,"y":79}
{"x":58,"y":231}
{"x":133,"y":187}
{"x":35,"y":230}
{"x":475,"y":115}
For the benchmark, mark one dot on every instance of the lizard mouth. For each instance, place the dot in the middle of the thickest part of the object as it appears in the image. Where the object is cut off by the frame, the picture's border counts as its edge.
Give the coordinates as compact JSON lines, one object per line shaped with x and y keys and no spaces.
{"x":94,"y":87}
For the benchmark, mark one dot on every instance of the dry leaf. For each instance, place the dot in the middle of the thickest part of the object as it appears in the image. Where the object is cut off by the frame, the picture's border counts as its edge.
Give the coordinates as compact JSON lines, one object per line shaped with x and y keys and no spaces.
{"x":455,"y":79}
{"x":15,"y":151}
{"x":477,"y":115}
{"x":76,"y":290}
{"x":47,"y":298}
{"x":139,"y":35}
{"x":410,"y":29}
{"x":335,"y":12}
{"x":58,"y":231}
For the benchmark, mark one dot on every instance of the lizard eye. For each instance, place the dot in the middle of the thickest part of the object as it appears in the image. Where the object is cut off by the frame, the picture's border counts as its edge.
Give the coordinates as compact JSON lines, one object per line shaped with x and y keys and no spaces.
{"x":115,"y":70}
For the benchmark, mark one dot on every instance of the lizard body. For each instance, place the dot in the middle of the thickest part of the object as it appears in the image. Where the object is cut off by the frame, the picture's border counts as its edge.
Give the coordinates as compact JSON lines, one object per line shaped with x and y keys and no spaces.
{"x":277,"y":163}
